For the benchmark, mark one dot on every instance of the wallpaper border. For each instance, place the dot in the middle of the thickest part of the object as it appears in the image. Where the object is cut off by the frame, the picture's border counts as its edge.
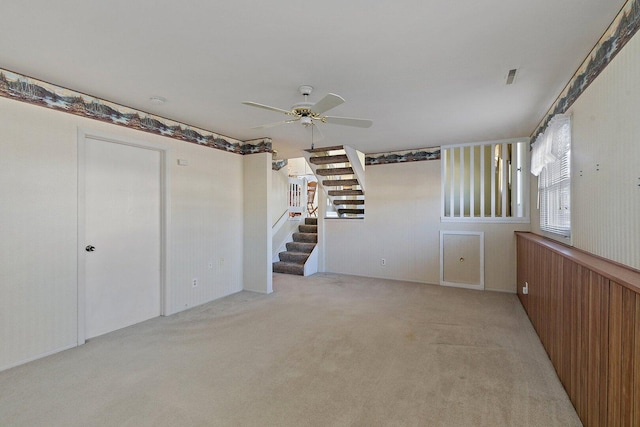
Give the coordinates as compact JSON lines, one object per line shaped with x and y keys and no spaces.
{"x":621,"y":30}
{"x":37,"y":92}
{"x":417,"y":155}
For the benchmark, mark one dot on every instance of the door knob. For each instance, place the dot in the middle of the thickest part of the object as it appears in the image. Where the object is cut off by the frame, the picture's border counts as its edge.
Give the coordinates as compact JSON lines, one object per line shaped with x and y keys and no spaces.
{"x":90,"y":248}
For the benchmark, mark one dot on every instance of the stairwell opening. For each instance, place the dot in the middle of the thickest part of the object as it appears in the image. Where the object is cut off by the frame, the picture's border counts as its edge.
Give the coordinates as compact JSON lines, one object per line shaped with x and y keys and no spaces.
{"x":339,"y":173}
{"x":340,"y":170}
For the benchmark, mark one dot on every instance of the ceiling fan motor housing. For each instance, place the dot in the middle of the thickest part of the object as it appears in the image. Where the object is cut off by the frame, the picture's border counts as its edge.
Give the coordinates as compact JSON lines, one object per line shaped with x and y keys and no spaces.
{"x":305,"y":90}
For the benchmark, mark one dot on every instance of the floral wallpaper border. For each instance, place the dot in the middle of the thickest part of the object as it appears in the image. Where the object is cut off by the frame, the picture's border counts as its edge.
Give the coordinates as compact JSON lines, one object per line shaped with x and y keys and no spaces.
{"x":417,"y":155}
{"x":254,"y":146}
{"x":26,"y":89}
{"x":276,"y":165}
{"x":621,"y":30}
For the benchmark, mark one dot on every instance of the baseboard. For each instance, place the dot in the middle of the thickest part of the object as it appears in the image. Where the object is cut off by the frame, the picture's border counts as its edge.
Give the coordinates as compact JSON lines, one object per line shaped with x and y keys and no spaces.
{"x":40,"y":356}
{"x":504,"y":291}
{"x":393,"y":279}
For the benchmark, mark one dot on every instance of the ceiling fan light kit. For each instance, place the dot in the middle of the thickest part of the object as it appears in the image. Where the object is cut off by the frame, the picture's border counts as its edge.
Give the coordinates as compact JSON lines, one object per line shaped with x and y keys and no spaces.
{"x":308,"y":113}
{"x":306,"y":121}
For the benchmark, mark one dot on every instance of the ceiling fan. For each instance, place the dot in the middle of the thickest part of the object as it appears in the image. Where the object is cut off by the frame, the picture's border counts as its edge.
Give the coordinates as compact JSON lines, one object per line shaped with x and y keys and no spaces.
{"x":308,"y":113}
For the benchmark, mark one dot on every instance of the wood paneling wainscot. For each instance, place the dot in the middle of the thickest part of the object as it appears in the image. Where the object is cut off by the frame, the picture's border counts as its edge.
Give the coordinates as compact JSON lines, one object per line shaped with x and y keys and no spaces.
{"x":586,"y":311}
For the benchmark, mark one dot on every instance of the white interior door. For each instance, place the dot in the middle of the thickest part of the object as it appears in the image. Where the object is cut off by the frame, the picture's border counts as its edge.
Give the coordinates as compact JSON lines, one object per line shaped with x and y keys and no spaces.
{"x":122,"y":234}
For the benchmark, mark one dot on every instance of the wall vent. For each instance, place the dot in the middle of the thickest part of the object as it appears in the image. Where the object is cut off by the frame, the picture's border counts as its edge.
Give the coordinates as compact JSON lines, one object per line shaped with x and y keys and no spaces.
{"x":511,"y":77}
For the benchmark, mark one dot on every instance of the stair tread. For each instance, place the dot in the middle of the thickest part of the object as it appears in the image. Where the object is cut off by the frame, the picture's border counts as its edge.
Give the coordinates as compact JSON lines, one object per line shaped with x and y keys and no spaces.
{"x":334,"y":171}
{"x":325,"y":160}
{"x":346,"y":192}
{"x":339,"y":182}
{"x":295,"y":253}
{"x":323,"y":149}
{"x":338,"y":202}
{"x":308,"y":228}
{"x":294,"y":257}
{"x":350,"y":211}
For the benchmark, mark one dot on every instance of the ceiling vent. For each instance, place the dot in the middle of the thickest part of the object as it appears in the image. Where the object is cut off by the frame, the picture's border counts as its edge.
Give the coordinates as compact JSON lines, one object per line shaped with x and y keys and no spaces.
{"x":511,"y":77}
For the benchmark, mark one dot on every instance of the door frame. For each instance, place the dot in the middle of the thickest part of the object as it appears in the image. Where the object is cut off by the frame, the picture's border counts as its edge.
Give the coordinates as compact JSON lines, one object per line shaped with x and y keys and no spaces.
{"x":164,"y":151}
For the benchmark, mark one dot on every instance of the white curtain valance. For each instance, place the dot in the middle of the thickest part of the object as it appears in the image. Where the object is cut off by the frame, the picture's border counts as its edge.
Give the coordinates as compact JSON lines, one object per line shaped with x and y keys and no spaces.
{"x":552,"y":143}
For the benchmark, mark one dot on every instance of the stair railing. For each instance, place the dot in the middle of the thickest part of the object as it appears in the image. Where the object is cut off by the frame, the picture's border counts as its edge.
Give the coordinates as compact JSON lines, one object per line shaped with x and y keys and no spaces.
{"x":297,"y":196}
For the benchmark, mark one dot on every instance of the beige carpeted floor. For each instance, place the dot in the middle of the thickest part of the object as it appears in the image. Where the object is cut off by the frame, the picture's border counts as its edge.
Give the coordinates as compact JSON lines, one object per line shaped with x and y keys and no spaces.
{"x":325,"y":350}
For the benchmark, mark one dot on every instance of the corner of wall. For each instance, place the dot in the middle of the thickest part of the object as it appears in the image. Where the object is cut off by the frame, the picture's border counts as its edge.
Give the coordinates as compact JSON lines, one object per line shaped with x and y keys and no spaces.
{"x":257,"y":224}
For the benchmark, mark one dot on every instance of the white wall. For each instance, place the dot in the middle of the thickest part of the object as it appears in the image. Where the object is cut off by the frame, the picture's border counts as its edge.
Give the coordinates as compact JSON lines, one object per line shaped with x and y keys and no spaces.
{"x":299,"y":167}
{"x":402,"y":224}
{"x":279,"y":194}
{"x":38,"y":219}
{"x":605,"y":205}
{"x":207,"y":209}
{"x":257,"y":267}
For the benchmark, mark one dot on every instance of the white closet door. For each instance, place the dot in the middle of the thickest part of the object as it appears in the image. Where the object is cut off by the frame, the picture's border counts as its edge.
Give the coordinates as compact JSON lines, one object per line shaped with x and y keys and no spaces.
{"x":122,"y":235}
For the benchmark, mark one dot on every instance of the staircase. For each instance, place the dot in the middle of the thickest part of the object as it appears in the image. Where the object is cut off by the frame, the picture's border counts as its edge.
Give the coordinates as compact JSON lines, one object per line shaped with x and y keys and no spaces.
{"x":292,"y":261}
{"x":340,"y":170}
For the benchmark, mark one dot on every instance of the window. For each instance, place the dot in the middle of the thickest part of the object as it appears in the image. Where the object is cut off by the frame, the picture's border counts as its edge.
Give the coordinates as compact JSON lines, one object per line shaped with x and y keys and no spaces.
{"x":551,"y":162}
{"x":485,"y":182}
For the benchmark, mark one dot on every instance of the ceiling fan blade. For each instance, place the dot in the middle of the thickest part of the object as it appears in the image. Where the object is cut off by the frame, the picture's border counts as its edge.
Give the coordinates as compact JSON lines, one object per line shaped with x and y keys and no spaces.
{"x":327,"y":103}
{"x":266,"y":107}
{"x":270,"y":125}
{"x":348,"y":121}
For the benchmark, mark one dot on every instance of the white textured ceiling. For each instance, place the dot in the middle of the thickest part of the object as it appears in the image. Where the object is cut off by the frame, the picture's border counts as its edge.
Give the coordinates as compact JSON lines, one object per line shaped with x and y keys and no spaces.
{"x":426,"y":72}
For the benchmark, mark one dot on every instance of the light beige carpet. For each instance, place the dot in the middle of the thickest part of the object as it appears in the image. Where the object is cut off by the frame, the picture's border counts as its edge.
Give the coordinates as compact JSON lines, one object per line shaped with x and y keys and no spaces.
{"x":325,"y":350}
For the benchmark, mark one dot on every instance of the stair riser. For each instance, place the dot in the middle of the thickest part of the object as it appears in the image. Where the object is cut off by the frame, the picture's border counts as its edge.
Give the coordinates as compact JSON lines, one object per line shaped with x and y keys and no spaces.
{"x":311,"y":221}
{"x":308,"y":228}
{"x":295,"y":257}
{"x":305,"y":237}
{"x":287,"y":268}
{"x":300,"y":247}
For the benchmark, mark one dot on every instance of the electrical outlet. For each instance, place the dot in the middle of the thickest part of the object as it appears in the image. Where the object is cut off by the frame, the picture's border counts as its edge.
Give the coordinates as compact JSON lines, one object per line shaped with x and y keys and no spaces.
{"x":194,"y":282}
{"x":383,"y":261}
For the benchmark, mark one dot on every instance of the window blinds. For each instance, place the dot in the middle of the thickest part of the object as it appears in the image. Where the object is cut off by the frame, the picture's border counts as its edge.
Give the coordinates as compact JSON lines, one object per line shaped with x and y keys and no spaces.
{"x":551,"y":162}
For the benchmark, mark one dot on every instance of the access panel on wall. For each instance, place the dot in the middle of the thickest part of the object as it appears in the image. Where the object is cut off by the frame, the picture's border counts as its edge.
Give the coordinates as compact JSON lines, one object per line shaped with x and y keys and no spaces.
{"x":462,"y":259}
